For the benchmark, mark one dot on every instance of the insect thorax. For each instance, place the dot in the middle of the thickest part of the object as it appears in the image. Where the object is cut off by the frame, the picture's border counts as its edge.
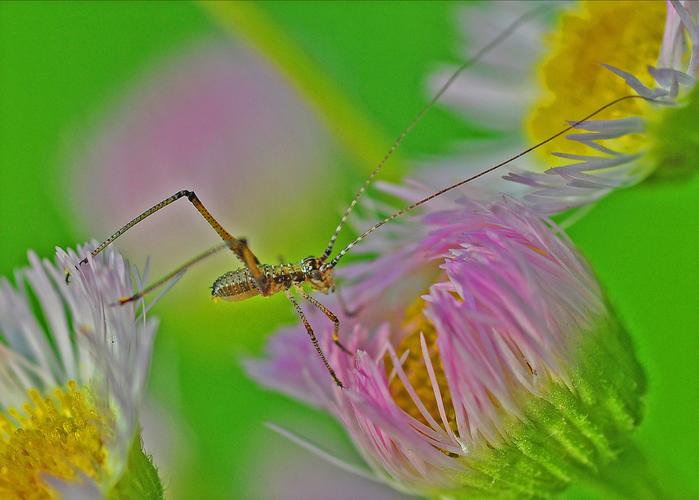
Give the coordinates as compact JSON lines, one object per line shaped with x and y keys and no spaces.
{"x":239,"y":284}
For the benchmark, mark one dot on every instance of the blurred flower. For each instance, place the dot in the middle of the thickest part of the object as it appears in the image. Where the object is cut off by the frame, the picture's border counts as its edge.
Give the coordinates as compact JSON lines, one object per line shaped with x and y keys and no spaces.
{"x":595,"y":52}
{"x":322,"y":477}
{"x":73,"y":370}
{"x":487,"y":359}
{"x":216,"y":118}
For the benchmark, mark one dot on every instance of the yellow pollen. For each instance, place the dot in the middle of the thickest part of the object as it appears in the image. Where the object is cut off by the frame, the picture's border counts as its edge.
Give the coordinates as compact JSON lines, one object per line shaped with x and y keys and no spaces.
{"x":416,"y":370}
{"x":624,"y":34}
{"x":57,"y":435}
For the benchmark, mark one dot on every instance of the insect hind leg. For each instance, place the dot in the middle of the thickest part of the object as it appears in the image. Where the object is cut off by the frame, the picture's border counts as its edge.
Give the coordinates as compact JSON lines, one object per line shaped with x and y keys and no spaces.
{"x":238,"y":246}
{"x":175,"y":273}
{"x":314,"y":339}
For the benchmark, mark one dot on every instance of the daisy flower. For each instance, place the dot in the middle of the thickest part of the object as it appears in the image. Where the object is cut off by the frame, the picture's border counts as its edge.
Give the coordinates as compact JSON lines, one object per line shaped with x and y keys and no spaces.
{"x":487,"y":360}
{"x":547,"y":74}
{"x":73,"y":370}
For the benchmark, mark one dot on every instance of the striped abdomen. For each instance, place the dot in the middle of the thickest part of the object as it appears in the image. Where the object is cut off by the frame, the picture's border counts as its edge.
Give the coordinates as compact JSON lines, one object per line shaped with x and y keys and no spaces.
{"x":239,"y":284}
{"x":235,"y":285}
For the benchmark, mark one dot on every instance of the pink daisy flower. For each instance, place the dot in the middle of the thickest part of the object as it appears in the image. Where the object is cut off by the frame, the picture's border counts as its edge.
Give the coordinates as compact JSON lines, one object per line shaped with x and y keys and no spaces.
{"x":487,"y":360}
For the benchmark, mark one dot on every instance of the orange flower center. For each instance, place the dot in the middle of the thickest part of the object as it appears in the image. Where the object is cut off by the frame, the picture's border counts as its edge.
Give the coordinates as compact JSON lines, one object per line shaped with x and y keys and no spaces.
{"x":416,"y":370}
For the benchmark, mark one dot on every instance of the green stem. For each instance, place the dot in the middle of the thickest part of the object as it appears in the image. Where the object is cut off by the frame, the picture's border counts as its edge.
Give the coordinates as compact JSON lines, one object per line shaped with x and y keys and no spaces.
{"x":357,"y":133}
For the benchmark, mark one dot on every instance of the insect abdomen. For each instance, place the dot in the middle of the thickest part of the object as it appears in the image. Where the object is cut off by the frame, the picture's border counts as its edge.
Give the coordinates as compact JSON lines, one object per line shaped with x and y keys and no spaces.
{"x":235,"y":286}
{"x":240,"y":285}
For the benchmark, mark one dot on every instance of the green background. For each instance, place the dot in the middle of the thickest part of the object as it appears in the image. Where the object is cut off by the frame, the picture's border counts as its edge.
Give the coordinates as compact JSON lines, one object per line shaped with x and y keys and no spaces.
{"x":61,"y":62}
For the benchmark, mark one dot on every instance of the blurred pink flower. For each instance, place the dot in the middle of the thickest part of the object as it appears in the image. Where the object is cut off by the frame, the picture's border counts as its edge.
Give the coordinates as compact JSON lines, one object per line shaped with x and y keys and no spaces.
{"x":276,"y":475}
{"x":487,"y":359}
{"x":214,"y":118}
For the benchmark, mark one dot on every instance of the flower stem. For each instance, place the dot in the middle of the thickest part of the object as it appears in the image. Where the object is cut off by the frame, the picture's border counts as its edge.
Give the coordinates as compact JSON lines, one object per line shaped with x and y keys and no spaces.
{"x":355,"y":131}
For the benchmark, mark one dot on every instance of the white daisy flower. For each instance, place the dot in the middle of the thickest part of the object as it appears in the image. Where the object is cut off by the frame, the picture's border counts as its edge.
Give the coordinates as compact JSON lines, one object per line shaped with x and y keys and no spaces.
{"x":73,"y":370}
{"x":559,"y":67}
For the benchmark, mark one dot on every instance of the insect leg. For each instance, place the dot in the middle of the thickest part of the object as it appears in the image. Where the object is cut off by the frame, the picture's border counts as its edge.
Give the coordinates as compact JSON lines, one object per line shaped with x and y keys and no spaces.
{"x":211,"y":251}
{"x":238,"y":246}
{"x":331,"y":316}
{"x":314,"y":340}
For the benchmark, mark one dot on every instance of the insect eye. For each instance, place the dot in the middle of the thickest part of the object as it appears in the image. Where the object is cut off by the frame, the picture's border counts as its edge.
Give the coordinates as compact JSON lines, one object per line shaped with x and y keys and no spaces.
{"x":309,"y":264}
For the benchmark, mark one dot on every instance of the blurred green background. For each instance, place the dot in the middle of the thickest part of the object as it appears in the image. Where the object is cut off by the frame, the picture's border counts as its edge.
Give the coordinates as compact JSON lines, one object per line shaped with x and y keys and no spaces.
{"x":63,"y":64}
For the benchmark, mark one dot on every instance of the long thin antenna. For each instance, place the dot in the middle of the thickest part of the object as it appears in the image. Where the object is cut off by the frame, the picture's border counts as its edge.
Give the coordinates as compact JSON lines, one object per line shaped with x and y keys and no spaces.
{"x":407,"y":209}
{"x":502,"y":36}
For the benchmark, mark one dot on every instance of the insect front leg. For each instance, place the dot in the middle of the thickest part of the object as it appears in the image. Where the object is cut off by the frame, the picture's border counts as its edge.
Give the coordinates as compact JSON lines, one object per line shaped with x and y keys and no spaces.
{"x":331,"y":316}
{"x":314,"y":339}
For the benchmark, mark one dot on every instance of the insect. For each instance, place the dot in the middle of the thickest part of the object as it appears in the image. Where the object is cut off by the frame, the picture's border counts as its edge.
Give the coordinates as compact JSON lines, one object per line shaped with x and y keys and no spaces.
{"x":314,"y":273}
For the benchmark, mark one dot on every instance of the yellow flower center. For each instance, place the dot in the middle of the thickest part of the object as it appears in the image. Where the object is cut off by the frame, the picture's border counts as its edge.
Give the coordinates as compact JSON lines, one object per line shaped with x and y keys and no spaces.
{"x":416,"y":369}
{"x":624,"y":34}
{"x":58,"y":436}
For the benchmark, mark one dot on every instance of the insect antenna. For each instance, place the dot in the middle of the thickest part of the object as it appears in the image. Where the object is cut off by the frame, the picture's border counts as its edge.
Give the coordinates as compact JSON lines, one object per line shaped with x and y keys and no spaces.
{"x":421,"y":114}
{"x":409,"y":208}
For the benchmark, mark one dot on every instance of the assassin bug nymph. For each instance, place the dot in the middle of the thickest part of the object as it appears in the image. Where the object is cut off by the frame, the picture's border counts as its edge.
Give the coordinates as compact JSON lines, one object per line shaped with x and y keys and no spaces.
{"x":315,"y":273}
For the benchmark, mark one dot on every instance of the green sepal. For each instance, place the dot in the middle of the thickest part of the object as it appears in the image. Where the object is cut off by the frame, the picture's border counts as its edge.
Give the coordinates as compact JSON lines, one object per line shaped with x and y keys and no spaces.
{"x":569,"y":432}
{"x":674,"y":147}
{"x":140,"y":479}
